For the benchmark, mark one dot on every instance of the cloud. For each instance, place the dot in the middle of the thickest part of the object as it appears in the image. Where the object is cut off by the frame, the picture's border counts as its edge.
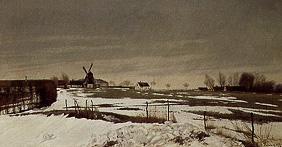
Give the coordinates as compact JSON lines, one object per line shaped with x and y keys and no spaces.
{"x":141,"y":38}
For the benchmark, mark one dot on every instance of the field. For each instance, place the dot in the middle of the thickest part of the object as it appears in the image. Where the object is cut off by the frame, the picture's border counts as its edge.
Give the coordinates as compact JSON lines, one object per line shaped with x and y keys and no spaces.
{"x":125,"y":117}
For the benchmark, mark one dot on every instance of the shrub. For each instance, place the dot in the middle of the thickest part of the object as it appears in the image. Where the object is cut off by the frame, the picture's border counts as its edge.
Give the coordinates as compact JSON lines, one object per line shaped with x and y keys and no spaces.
{"x":247,"y":80}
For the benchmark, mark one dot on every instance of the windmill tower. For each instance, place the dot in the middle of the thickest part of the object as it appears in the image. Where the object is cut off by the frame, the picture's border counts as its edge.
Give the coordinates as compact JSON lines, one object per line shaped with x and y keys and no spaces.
{"x":89,"y":80}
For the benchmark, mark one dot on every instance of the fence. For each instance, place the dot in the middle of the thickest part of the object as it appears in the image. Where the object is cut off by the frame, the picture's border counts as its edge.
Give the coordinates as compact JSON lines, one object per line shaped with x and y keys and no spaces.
{"x":162,"y":112}
{"x":249,"y":132}
{"x":21,"y":95}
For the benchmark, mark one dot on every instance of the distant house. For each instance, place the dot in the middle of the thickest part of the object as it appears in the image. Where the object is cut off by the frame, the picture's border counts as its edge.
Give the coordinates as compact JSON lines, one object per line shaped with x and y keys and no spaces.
{"x":142,"y":86}
{"x":203,"y":88}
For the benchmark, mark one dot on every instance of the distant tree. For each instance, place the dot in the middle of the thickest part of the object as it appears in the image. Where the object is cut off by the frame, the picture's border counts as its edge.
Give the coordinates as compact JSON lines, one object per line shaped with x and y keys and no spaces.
{"x":259,"y":79}
{"x":247,"y":80}
{"x":167,"y":86}
{"x":236,"y":78}
{"x":261,"y":84}
{"x":233,"y":80}
{"x":112,"y":83}
{"x":186,"y":85}
{"x":55,"y":79}
{"x":230,"y":81}
{"x":221,"y":79}
{"x":268,"y":86}
{"x":209,"y":81}
{"x":125,"y":83}
{"x":278,"y":88}
{"x":153,"y":83}
{"x":65,"y":77}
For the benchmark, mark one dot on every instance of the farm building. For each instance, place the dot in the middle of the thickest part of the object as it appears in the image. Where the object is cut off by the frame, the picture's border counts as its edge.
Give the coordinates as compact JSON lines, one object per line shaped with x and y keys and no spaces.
{"x":142,"y":86}
{"x":80,"y":83}
{"x":76,"y":83}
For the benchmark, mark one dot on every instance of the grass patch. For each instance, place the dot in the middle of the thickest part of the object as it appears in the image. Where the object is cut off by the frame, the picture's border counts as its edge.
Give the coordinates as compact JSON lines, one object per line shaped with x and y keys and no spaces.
{"x":96,"y":115}
{"x":238,"y":115}
{"x":106,"y":105}
{"x":127,"y":108}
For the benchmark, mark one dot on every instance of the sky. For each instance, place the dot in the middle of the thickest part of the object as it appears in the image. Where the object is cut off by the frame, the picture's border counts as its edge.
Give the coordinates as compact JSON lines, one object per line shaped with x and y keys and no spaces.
{"x":167,"y":41}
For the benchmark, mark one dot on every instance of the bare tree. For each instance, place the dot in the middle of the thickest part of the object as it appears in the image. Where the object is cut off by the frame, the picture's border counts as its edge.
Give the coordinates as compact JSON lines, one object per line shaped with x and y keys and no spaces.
{"x":209,"y":82}
{"x":167,"y":86}
{"x":112,"y":83}
{"x":261,"y":84}
{"x":55,"y":79}
{"x":233,"y":80}
{"x":221,"y":79}
{"x":125,"y":83}
{"x":236,"y":79}
{"x":186,"y":85}
{"x":230,"y":81}
{"x":259,"y":79}
{"x":153,"y":83}
{"x":65,"y":77}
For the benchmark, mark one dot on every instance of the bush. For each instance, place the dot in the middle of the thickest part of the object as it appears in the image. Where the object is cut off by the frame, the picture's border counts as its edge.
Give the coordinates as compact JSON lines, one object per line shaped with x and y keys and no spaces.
{"x":247,"y":80}
{"x":278,"y":88}
{"x":267,"y":86}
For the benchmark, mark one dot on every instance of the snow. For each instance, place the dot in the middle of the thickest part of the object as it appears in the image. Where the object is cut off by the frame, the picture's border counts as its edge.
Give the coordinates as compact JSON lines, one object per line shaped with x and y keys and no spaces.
{"x":179,"y":95}
{"x":183,"y":93}
{"x":265,"y":104}
{"x":230,"y":99}
{"x":158,"y":94}
{"x":218,"y":109}
{"x":258,"y":113}
{"x":157,"y":135}
{"x":40,"y":130}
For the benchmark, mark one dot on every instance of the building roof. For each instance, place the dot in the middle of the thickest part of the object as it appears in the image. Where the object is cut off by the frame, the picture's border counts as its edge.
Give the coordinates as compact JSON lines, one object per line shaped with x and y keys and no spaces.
{"x":143,"y":84}
{"x":100,"y":81}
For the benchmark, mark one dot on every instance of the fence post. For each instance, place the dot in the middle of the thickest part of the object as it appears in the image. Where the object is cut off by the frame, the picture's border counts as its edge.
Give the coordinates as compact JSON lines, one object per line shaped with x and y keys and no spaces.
{"x":20,"y":107}
{"x":86,"y":105}
{"x":14,"y":108}
{"x":78,"y":109}
{"x":92,"y":105}
{"x":205,"y":124}
{"x":66,"y":102}
{"x":167,"y":110}
{"x":23,"y":105}
{"x":7,"y":109}
{"x":253,"y":128}
{"x":74,"y":105}
{"x":147,"y":113}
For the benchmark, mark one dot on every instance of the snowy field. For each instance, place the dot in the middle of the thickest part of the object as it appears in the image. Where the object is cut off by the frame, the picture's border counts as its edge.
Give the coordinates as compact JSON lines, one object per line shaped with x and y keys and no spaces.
{"x":60,"y":130}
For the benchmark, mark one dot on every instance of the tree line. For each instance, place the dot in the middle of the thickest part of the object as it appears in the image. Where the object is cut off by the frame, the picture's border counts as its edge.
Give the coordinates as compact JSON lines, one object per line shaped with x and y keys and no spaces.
{"x":246,"y":81}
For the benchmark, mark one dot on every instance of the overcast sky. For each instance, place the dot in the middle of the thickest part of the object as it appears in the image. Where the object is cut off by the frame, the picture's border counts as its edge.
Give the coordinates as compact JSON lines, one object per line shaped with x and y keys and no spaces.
{"x":169,"y":41}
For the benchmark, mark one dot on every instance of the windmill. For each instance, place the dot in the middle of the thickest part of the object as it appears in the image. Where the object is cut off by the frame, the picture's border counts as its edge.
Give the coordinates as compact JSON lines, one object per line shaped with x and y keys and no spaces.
{"x":89,"y":77}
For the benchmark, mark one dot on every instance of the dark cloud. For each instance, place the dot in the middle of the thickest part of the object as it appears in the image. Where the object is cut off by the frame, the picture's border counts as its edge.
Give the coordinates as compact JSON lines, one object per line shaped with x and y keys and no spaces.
{"x":141,"y":38}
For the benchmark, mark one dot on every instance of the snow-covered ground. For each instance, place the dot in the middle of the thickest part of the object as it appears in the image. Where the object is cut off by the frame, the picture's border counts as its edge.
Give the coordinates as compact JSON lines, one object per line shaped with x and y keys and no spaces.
{"x":40,"y":130}
{"x":59,"y":131}
{"x":265,"y":104}
{"x":229,"y":99}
